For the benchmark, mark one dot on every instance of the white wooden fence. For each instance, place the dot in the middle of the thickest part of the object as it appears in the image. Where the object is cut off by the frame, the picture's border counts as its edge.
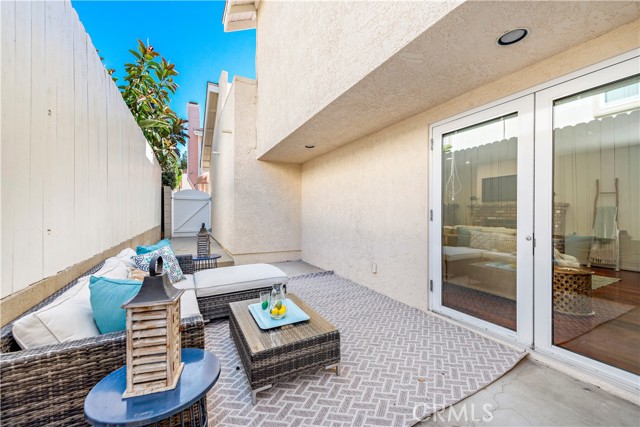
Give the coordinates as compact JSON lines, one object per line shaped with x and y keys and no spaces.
{"x":77,"y":174}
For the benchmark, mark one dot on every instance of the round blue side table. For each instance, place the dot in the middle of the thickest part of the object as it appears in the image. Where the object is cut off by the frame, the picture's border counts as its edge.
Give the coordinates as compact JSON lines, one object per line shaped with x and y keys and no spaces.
{"x":104,"y":405}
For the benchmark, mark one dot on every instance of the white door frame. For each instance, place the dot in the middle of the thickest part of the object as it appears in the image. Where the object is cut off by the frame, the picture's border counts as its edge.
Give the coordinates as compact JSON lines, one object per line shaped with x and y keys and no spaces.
{"x":544,"y":216}
{"x":524,"y":107}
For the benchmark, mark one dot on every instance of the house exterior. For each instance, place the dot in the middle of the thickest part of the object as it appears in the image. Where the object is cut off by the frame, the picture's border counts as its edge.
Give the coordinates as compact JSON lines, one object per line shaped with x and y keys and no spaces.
{"x":348,"y":152}
{"x":194,"y":178}
{"x":193,"y":146}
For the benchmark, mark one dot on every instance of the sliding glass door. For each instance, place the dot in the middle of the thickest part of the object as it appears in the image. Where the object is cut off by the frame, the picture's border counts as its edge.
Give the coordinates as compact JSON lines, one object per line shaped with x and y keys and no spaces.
{"x":483,"y":199}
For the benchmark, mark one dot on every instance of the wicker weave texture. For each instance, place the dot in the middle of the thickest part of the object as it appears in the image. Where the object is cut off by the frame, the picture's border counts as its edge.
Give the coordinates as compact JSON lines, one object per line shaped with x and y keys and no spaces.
{"x":217,"y":306}
{"x":572,"y":291}
{"x":48,"y":385}
{"x":287,"y":351}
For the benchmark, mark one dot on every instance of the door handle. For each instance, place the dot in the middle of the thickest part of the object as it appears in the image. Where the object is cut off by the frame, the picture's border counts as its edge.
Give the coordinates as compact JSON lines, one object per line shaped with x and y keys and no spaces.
{"x":528,"y":238}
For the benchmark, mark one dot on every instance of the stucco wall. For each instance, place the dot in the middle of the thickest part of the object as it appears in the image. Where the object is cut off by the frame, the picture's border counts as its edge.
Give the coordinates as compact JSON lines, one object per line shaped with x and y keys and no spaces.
{"x":222,"y":169}
{"x":366,"y":202}
{"x":256,"y":205}
{"x":78,"y":176}
{"x":342,"y":42}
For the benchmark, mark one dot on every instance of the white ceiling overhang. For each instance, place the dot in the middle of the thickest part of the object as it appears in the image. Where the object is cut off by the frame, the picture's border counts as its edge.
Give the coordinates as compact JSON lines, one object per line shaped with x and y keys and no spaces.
{"x":454,"y":56}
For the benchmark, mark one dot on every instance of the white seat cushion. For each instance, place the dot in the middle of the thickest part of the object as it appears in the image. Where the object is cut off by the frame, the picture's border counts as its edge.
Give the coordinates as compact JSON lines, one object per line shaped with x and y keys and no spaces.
{"x":456,"y":253}
{"x":225,"y":280}
{"x":186,"y":283}
{"x":500,"y":256}
{"x":188,"y":304}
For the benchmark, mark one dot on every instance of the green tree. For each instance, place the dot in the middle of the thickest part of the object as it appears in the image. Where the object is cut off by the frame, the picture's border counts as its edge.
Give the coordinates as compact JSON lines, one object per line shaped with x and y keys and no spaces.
{"x":148,"y":85}
{"x":183,"y":161}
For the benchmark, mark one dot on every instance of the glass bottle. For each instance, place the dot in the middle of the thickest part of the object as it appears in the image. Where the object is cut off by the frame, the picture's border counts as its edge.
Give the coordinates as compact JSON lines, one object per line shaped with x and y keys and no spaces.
{"x":278,"y":307}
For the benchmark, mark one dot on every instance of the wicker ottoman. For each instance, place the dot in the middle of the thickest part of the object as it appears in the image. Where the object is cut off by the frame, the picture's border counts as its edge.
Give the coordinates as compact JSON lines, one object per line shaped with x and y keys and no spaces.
{"x":282,"y":353}
{"x":572,"y":291}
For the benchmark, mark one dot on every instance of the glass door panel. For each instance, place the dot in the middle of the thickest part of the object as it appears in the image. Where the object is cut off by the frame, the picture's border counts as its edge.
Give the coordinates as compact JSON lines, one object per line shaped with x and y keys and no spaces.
{"x":479,"y":219}
{"x":596,"y":224}
{"x":482,"y":230}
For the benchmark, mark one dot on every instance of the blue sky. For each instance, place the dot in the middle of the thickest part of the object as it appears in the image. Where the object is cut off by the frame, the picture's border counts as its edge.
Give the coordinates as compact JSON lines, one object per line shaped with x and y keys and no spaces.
{"x":187,"y":33}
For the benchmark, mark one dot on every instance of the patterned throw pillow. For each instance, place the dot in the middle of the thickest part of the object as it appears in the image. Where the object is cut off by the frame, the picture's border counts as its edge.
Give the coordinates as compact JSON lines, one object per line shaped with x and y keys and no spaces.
{"x":170,"y":263}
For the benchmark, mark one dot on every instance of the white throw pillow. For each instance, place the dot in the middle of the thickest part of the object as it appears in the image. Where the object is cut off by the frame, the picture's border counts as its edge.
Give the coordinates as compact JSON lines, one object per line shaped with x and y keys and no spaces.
{"x":114,"y":269}
{"x":125,"y":257}
{"x":68,"y":318}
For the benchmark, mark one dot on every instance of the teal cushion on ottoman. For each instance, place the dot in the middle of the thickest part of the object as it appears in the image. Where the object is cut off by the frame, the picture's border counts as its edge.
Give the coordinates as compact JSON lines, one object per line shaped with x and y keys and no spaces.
{"x":107,"y":297}
{"x":141,"y":250}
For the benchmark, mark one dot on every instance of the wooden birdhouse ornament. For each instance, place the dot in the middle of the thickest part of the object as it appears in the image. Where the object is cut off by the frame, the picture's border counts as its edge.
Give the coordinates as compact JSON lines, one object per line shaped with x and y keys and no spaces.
{"x":154,"y":362}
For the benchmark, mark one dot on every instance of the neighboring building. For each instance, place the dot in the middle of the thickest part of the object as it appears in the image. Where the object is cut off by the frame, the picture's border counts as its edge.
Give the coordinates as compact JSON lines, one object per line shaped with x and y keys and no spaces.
{"x":400,"y":145}
{"x":194,"y":179}
{"x":193,"y":145}
{"x":255,"y":205}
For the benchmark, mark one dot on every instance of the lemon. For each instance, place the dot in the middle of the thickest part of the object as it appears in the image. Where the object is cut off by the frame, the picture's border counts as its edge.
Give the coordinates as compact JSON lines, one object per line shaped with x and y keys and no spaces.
{"x":275,"y":311}
{"x":282,"y":311}
{"x":279,"y":305}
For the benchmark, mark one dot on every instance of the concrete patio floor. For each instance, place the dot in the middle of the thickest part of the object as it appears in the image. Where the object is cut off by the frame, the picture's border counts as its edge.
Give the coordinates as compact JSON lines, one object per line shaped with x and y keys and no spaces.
{"x":531,"y":394}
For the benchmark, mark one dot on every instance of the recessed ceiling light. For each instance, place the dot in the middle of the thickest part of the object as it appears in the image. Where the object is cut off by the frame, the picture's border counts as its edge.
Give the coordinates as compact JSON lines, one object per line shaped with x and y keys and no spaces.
{"x":309,"y":146}
{"x":513,"y":36}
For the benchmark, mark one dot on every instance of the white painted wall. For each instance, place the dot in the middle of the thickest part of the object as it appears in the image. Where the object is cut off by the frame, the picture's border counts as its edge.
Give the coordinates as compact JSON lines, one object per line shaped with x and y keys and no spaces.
{"x":78,"y":176}
{"x":255,"y":205}
{"x":310,"y":52}
{"x":366,"y":202}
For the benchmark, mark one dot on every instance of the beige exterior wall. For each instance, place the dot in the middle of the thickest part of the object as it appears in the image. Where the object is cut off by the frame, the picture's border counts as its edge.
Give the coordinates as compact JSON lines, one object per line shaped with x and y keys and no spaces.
{"x":222,"y":173}
{"x":310,"y":52}
{"x":78,"y":176}
{"x":255,"y":205}
{"x":366,"y":202}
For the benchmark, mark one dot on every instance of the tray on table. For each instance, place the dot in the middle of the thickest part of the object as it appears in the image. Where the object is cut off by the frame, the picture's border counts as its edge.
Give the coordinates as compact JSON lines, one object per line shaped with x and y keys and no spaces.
{"x":264,"y":320}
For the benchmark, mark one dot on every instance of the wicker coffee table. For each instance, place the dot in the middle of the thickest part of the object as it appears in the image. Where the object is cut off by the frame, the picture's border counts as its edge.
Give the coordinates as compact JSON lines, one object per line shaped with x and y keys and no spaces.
{"x":282,"y":353}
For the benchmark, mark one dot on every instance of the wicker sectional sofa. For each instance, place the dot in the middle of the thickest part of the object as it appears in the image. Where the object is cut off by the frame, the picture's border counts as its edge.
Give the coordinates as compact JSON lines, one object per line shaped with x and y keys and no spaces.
{"x":47,"y":385}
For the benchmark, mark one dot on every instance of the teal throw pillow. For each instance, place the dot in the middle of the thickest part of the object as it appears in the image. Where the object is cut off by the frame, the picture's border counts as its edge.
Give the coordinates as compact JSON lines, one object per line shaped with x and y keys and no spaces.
{"x":141,"y":250}
{"x":170,"y":265}
{"x":107,"y":297}
{"x":464,"y":236}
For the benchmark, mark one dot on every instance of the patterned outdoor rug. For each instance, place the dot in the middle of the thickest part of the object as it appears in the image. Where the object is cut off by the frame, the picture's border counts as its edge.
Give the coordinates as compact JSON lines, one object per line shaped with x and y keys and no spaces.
{"x":394,"y":357}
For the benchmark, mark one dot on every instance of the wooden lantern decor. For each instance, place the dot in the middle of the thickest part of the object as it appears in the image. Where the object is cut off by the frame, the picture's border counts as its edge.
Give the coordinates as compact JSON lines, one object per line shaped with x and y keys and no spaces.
{"x":204,"y":244}
{"x":154,"y":362}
